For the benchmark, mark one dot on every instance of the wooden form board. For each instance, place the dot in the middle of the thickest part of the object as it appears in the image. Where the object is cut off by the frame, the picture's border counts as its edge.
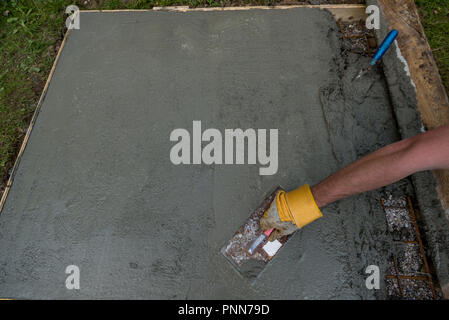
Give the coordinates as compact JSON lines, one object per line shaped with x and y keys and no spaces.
{"x":345,"y":12}
{"x":433,"y":102}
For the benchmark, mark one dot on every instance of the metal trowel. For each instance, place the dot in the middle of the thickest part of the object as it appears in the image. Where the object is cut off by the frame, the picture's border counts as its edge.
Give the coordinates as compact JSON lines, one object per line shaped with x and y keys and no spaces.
{"x":249,"y":250}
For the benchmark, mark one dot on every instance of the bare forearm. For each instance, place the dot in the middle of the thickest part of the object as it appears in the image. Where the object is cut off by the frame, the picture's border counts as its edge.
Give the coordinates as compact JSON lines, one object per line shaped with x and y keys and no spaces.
{"x":386,"y":166}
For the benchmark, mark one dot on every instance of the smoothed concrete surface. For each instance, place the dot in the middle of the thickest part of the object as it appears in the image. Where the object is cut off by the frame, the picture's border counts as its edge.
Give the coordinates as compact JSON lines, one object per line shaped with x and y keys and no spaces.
{"x":96,"y":188}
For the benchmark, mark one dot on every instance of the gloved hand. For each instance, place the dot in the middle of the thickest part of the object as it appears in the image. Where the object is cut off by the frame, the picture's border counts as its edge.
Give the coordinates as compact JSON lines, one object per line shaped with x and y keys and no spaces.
{"x":290,"y":211}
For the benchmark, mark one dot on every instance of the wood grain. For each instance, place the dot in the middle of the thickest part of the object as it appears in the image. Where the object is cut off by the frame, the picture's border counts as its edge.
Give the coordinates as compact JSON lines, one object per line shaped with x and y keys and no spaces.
{"x":345,"y":12}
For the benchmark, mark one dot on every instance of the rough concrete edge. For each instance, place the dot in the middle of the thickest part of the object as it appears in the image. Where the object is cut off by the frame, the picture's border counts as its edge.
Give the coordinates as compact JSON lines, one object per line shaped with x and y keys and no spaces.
{"x":403,"y":97}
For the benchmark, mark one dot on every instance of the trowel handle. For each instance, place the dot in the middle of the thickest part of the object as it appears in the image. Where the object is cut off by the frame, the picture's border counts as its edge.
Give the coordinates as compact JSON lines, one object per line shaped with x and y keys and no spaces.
{"x":384,"y":46}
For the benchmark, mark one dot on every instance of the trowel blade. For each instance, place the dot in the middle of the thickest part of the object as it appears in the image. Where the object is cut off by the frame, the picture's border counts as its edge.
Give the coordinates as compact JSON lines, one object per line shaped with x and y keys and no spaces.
{"x":236,"y":250}
{"x":362,"y":73}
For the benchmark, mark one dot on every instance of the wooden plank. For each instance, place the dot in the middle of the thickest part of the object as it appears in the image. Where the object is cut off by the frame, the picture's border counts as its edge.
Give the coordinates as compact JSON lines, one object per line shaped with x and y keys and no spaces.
{"x":433,"y":103}
{"x":345,"y":12}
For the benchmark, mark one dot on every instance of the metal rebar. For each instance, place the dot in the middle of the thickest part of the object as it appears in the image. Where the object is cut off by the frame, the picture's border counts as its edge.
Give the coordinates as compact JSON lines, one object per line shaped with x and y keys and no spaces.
{"x":395,"y":264}
{"x":421,"y":247}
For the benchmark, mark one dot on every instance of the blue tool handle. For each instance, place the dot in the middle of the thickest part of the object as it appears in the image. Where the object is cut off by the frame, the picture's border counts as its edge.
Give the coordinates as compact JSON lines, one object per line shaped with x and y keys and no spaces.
{"x":384,"y":46}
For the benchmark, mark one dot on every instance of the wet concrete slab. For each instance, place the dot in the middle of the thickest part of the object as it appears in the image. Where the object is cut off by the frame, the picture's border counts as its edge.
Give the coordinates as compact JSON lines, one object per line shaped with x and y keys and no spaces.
{"x":96,"y":187}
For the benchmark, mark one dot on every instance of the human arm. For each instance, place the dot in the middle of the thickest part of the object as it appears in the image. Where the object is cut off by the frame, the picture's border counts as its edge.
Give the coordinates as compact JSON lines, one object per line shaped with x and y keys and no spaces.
{"x":427,"y":151}
{"x":294,"y":209}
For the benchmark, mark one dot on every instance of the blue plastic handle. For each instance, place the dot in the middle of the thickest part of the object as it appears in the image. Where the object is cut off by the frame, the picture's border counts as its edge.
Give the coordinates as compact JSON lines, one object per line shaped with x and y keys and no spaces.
{"x":384,"y":46}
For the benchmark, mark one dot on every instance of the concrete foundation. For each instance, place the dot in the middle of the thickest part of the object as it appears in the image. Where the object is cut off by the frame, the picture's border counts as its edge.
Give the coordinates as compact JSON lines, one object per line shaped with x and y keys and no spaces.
{"x":96,"y":188}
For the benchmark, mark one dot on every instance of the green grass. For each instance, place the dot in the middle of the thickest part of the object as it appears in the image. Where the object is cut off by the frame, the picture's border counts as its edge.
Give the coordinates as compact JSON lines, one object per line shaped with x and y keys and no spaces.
{"x":31,"y":31}
{"x":435,"y":19}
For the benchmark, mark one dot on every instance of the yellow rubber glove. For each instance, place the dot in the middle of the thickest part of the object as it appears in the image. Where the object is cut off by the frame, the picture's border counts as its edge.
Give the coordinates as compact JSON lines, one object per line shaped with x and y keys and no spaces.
{"x":290,"y":211}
